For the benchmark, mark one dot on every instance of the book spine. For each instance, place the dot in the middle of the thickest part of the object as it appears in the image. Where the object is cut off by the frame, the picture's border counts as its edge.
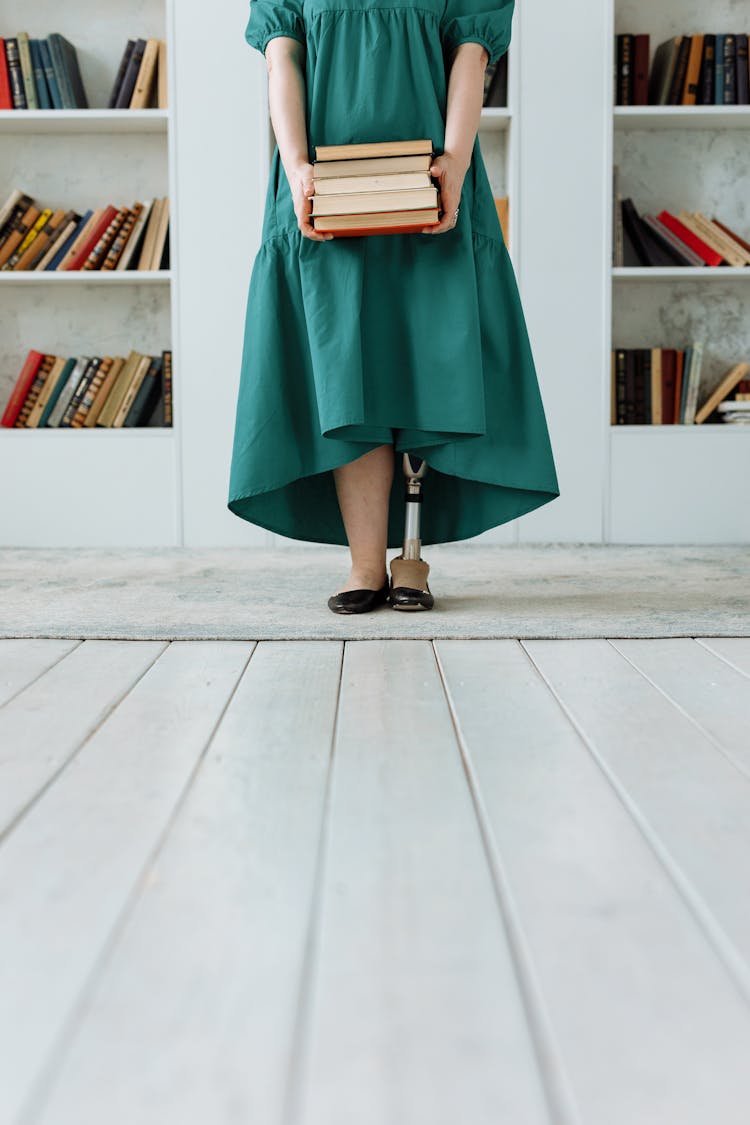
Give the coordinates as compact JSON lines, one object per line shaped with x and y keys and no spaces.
{"x":680,"y":71}
{"x":58,"y":63}
{"x":707,"y":82}
{"x":625,"y":86}
{"x":49,"y":74}
{"x":167,"y":386}
{"x":40,"y":81}
{"x":112,"y":100}
{"x":742,"y":84}
{"x":641,"y":49}
{"x":6,"y":98}
{"x":21,"y":389}
{"x":24,"y":419}
{"x":27,"y":70}
{"x":730,"y":86}
{"x":125,"y":92}
{"x":15,"y":74}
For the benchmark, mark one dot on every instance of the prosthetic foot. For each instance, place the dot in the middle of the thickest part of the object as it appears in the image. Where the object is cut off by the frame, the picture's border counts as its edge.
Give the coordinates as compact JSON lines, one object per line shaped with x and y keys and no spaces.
{"x":409,"y":588}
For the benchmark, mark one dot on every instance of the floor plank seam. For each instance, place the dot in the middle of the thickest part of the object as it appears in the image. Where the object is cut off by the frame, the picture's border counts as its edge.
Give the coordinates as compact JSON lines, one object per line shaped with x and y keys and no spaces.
{"x":292,"y":1109}
{"x":56,"y":774}
{"x":725,"y":950}
{"x":43,"y":1085}
{"x":715,"y":742}
{"x":557,"y":1088}
{"x":40,"y":675}
{"x":702,"y":641}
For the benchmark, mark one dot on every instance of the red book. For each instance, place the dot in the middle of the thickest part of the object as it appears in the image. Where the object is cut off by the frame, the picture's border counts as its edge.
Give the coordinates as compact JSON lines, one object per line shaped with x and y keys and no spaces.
{"x":83,"y":251}
{"x":710,"y":257}
{"x":410,"y":229}
{"x":21,"y":389}
{"x":6,"y":99}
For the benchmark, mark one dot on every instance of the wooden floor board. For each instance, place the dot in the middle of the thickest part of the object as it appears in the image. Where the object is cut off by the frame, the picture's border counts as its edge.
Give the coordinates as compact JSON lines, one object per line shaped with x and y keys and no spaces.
{"x":67,"y":870}
{"x":416,"y":1015}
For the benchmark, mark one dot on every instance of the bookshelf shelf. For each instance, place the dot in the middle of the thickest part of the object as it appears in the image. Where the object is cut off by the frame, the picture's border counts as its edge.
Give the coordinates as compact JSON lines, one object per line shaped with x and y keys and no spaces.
{"x":83,"y":120}
{"x":495,"y":118}
{"x":85,"y":277}
{"x":98,"y":433}
{"x":700,"y":432}
{"x":680,"y":273}
{"x":682,"y":117}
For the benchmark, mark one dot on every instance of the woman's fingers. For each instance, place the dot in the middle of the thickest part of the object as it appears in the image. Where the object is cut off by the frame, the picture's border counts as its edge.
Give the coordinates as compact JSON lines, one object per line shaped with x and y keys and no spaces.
{"x":450,"y":205}
{"x":304,"y":214}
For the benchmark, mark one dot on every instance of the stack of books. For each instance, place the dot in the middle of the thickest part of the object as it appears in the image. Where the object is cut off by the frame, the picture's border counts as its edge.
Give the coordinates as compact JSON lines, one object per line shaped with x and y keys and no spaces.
{"x":102,"y":238}
{"x":736,"y":411}
{"x":383,"y":187}
{"x":84,"y":391}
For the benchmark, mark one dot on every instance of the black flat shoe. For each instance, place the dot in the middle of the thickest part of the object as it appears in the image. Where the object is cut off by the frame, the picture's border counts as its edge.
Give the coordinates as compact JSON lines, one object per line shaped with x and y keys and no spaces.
{"x":358,"y":601}
{"x":406,"y":597}
{"x":409,"y":586}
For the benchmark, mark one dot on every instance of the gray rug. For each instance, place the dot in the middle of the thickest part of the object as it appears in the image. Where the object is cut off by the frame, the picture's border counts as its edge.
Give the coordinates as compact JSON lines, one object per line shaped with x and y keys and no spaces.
{"x":252,"y":594}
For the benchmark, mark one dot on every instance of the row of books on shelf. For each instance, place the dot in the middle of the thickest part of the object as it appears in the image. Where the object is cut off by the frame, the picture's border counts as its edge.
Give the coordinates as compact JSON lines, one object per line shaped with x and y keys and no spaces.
{"x":86,"y":391}
{"x":662,"y":386}
{"x":705,"y":69}
{"x":102,"y":238}
{"x":496,"y":83}
{"x":45,"y":74}
{"x":688,"y":238}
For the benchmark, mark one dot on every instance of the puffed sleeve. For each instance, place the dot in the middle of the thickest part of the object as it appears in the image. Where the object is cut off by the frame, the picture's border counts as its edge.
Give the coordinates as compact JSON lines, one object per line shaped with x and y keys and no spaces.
{"x":269,"y":18}
{"x":478,"y":21}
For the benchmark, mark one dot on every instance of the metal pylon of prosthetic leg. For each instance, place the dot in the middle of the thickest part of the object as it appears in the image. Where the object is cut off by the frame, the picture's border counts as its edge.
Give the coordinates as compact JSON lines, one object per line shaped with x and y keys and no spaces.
{"x":409,"y":571}
{"x":414,"y":471}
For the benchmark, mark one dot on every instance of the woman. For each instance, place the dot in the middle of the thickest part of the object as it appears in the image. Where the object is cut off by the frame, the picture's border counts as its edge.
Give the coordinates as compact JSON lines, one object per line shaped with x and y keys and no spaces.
{"x":360,"y":349}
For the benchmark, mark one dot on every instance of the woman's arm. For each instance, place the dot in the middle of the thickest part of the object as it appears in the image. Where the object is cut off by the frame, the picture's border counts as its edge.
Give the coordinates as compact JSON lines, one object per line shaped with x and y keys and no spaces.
{"x":285,"y":62}
{"x":463,"y":113}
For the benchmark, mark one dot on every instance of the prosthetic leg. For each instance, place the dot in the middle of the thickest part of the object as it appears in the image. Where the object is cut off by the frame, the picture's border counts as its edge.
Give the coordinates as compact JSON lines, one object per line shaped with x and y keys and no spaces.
{"x":409,"y":588}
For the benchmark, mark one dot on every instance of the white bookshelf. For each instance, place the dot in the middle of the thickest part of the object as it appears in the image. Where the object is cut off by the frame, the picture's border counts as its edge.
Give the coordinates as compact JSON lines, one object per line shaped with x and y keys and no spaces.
{"x":84,"y":486}
{"x":678,"y":483}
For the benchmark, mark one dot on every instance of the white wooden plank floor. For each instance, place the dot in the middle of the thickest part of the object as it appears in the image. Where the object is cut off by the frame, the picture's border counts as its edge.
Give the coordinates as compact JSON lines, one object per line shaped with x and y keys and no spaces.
{"x":382,"y":882}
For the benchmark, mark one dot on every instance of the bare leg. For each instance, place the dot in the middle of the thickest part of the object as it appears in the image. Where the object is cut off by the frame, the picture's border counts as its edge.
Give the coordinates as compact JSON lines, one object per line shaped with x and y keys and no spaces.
{"x":363,"y":488}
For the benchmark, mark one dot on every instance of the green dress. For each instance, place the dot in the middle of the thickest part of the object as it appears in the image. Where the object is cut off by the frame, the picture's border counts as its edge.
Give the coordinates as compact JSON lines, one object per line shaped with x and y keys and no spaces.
{"x":416,"y":339}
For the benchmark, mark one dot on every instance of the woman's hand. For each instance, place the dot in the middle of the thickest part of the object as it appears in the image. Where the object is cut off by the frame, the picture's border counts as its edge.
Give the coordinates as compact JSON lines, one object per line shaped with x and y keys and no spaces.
{"x":302,"y":187}
{"x":450,"y":174}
